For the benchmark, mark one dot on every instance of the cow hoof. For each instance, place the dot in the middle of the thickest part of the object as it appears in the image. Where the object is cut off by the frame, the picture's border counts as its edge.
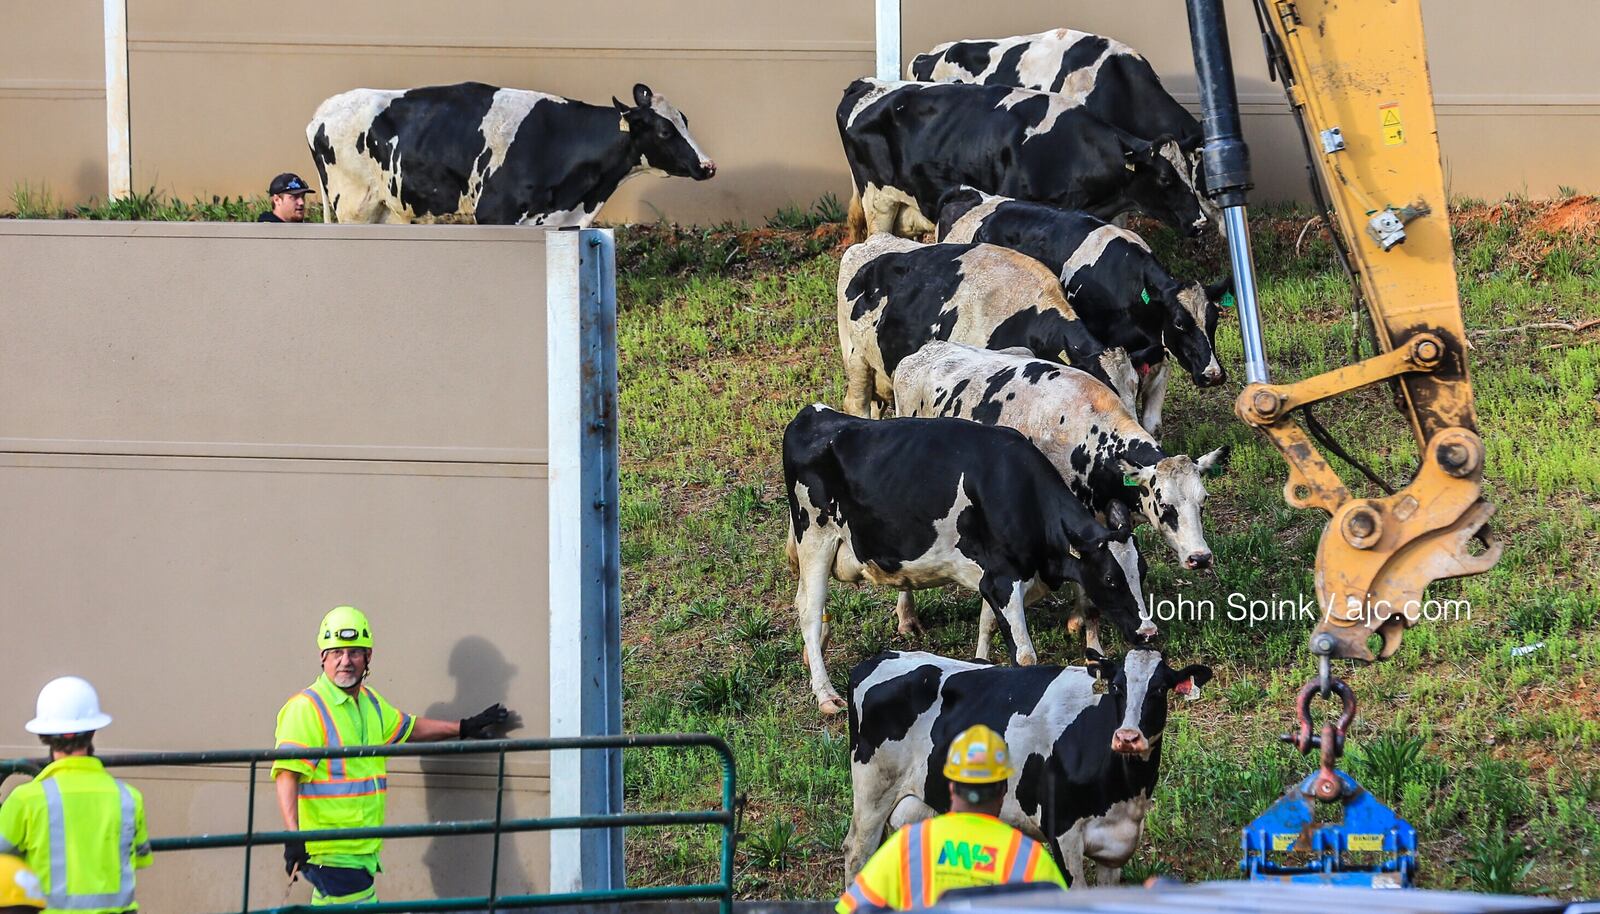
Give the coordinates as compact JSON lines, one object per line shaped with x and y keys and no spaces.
{"x":832,"y":706}
{"x":912,"y":628}
{"x":1028,"y":659}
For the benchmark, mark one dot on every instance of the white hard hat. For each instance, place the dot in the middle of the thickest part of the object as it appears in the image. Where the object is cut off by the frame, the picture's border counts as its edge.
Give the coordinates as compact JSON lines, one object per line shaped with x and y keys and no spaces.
{"x":68,"y":705}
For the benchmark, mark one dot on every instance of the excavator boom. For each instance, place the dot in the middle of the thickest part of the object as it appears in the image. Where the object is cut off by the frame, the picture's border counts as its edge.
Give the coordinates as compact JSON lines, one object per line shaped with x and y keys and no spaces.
{"x":1356,"y":76}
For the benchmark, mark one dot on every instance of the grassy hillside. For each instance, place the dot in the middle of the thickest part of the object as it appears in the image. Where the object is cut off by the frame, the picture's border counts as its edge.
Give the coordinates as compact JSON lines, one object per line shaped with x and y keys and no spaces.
{"x":1495,"y":757}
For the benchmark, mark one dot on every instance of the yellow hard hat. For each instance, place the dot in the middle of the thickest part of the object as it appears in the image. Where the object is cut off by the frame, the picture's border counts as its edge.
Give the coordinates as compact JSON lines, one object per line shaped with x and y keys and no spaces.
{"x":19,"y":888}
{"x":344,"y":626}
{"x":978,"y":756}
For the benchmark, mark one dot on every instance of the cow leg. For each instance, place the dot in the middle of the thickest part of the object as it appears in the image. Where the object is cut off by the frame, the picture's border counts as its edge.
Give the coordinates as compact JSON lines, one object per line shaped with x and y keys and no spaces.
{"x":1009,"y":603}
{"x":905,"y":613}
{"x":817,"y":553}
{"x":1107,"y":875}
{"x":1087,"y":618}
{"x":1070,"y":848}
{"x":350,"y":199}
{"x":1153,"y":387}
{"x":873,"y":801}
{"x":858,"y":387}
{"x":985,"y":632}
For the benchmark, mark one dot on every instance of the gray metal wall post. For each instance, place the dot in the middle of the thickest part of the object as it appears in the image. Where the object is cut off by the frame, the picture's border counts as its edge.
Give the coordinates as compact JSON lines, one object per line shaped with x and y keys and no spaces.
{"x":887,"y":35}
{"x":585,"y":568}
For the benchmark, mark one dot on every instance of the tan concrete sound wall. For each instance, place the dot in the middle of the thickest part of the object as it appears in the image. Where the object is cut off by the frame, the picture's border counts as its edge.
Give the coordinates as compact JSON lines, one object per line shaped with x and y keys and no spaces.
{"x":221,"y":91}
{"x":212,"y":434}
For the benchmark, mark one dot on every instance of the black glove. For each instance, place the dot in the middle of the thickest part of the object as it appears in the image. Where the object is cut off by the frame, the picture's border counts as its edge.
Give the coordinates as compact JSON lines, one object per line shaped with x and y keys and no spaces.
{"x":484,"y":724}
{"x":294,"y":855}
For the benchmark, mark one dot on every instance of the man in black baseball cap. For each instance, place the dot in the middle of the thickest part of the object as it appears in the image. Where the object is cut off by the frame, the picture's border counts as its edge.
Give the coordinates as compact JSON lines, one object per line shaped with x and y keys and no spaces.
{"x":288,"y":194}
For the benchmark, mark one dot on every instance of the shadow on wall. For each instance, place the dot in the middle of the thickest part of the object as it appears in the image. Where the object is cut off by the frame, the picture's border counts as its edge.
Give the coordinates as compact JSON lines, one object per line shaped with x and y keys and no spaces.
{"x":459,"y":866}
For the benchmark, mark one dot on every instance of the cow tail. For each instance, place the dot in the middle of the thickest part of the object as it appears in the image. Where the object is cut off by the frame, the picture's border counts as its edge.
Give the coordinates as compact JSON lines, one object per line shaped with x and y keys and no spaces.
{"x":858,"y":220}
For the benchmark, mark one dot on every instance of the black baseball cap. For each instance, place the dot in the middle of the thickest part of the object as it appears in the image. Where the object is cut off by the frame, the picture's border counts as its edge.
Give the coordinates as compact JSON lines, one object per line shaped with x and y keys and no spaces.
{"x":289,"y":183}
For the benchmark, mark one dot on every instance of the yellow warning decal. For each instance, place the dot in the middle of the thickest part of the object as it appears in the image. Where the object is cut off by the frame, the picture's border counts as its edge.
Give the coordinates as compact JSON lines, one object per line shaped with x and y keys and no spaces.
{"x":1283,"y":842}
{"x":1394,"y":134}
{"x":1364,"y":842}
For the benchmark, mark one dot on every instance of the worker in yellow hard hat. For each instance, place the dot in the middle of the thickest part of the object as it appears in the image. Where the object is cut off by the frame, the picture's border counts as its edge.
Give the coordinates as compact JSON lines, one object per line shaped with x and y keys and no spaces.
{"x":340,"y":710}
{"x":20,"y":891}
{"x":80,"y":831}
{"x":966,"y":847}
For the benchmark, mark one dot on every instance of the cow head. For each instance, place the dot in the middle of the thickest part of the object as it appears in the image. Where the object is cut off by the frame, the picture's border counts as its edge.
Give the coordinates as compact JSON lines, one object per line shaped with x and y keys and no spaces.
{"x":1189,"y":329}
{"x":1171,"y":494}
{"x":1140,"y":685}
{"x":661,"y":137}
{"x":1161,"y":183}
{"x":1111,"y":572}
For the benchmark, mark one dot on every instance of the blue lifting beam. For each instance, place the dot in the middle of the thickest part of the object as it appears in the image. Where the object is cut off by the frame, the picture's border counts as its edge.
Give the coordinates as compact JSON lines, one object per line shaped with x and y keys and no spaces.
{"x":1287,"y":843}
{"x":1387,"y":843}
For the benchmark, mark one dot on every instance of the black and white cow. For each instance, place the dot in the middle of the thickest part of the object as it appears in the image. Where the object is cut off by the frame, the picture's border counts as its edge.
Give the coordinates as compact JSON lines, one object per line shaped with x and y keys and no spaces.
{"x":1105,"y":456}
{"x":895,"y":295}
{"x":1085,"y":764}
{"x":476,"y":153}
{"x":908,"y":144}
{"x":1113,"y":79}
{"x":1116,"y":285}
{"x":913,"y":503}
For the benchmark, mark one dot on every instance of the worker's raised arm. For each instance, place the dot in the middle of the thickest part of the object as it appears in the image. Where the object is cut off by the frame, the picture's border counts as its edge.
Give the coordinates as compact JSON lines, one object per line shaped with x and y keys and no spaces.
{"x":486,"y":724}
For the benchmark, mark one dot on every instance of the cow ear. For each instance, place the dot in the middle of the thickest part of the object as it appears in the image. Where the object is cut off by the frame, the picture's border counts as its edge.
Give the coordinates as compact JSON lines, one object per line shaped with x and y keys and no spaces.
{"x":1117,"y":516}
{"x":1214,"y":463}
{"x":642,"y":95}
{"x":1215,"y":290}
{"x":1199,"y":672}
{"x":1067,"y":569}
{"x":1134,"y":472}
{"x":620,"y":106}
{"x":1098,"y":666}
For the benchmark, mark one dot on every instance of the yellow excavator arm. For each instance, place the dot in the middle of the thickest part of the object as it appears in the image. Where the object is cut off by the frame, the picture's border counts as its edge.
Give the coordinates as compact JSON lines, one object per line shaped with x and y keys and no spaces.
{"x":1356,"y":75}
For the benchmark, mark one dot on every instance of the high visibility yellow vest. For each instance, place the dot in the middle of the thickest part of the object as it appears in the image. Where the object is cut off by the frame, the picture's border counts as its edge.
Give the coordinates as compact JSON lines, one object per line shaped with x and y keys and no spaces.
{"x":82,"y":833}
{"x":957,"y":850}
{"x":340,"y":793}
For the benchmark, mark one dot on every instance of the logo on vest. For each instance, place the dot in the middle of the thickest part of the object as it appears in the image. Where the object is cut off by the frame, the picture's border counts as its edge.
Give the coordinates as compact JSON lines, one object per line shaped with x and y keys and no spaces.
{"x":979,"y":858}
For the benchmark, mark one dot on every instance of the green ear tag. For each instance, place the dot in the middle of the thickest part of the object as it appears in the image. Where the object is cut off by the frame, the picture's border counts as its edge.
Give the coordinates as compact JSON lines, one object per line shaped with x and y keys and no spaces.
{"x":1227,"y":300}
{"x":1145,"y":294}
{"x":1130,"y":481}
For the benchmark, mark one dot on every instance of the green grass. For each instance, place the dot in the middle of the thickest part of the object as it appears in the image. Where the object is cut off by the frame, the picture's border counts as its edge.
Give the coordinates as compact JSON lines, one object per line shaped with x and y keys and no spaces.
{"x":38,"y":202}
{"x":725,"y":334}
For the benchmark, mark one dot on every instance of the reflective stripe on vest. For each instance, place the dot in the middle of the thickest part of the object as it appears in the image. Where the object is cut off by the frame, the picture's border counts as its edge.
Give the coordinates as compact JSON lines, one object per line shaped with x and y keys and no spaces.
{"x":1022,"y":854}
{"x":357,"y":788}
{"x":335,"y":765}
{"x":915,"y":863}
{"x":58,"y":897}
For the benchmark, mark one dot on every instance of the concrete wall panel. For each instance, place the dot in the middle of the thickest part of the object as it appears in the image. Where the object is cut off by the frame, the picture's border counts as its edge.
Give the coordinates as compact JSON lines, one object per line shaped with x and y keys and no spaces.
{"x":209,"y":436}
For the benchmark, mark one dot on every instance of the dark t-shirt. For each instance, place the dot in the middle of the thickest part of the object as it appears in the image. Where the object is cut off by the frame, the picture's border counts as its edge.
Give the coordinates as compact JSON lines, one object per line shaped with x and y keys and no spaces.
{"x":268,"y":217}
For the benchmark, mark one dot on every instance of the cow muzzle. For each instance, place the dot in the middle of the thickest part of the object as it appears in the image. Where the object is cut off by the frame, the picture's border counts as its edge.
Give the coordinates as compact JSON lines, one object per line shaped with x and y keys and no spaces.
{"x":1198,"y":561}
{"x":1128,"y":741}
{"x":706,"y":169}
{"x":1211,"y":376}
{"x":1147,"y":629}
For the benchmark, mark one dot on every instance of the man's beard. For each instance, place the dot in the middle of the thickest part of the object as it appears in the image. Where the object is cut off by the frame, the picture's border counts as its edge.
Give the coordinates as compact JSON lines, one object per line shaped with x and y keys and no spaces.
{"x":344,"y":679}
